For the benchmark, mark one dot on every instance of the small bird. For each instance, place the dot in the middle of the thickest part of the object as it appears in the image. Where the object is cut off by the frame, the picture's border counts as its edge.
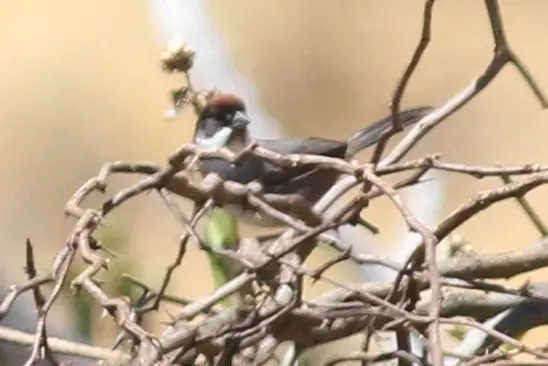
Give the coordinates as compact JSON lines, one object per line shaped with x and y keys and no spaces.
{"x":224,"y":123}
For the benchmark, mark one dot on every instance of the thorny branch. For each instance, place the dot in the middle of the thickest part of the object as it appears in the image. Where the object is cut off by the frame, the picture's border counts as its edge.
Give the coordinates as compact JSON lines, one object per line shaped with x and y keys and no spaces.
{"x":278,"y":312}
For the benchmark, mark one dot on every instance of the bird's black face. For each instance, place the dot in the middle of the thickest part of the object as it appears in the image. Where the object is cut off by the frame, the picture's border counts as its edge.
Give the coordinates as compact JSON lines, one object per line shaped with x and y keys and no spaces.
{"x":218,"y":125}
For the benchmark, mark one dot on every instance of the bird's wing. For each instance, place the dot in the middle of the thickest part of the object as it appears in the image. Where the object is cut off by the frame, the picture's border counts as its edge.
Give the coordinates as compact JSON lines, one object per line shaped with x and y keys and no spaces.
{"x":309,"y":145}
{"x":315,"y":146}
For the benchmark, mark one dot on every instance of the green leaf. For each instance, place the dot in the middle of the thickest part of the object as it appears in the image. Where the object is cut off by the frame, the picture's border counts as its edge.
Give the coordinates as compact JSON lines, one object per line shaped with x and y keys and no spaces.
{"x":458,"y":332}
{"x":221,"y":232}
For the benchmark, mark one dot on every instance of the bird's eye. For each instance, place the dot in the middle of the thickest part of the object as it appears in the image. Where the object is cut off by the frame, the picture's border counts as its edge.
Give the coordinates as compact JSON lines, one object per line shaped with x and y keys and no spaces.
{"x":228,"y":118}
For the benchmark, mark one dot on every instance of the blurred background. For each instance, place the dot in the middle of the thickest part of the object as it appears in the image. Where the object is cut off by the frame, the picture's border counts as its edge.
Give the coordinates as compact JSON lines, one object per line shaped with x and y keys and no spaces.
{"x":82,"y":85}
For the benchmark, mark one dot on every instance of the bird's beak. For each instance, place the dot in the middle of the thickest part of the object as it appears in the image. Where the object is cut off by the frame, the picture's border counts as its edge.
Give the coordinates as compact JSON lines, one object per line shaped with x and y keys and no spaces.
{"x":240,"y":120}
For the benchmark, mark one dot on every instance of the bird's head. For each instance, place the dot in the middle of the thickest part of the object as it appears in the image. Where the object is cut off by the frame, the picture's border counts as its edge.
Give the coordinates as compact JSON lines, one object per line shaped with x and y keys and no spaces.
{"x":222,"y":122}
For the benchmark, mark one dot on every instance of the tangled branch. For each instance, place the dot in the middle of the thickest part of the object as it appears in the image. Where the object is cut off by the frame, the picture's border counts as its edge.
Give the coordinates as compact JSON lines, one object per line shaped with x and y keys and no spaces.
{"x":272,"y":271}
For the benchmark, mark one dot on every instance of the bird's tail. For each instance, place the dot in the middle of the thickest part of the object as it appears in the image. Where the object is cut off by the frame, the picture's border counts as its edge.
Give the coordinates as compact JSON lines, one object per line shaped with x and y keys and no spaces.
{"x":370,"y":135}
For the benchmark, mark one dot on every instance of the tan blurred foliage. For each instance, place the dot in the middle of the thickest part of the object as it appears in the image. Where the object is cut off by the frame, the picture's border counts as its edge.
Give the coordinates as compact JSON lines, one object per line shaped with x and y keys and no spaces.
{"x":81,"y":84}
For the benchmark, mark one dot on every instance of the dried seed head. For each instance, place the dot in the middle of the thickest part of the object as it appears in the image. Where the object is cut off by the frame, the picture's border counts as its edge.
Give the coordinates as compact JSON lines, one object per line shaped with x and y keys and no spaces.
{"x":178,"y":56}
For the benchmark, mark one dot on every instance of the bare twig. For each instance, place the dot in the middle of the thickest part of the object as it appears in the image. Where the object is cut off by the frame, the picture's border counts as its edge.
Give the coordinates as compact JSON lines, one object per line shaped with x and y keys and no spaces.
{"x":275,"y":309}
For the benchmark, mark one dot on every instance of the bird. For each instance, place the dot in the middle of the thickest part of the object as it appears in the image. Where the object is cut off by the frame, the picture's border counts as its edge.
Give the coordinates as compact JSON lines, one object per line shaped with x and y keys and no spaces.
{"x":224,"y":123}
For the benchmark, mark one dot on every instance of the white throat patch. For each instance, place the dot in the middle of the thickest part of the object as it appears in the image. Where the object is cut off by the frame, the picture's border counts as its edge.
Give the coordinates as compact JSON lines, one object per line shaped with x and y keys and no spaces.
{"x":218,"y":140}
